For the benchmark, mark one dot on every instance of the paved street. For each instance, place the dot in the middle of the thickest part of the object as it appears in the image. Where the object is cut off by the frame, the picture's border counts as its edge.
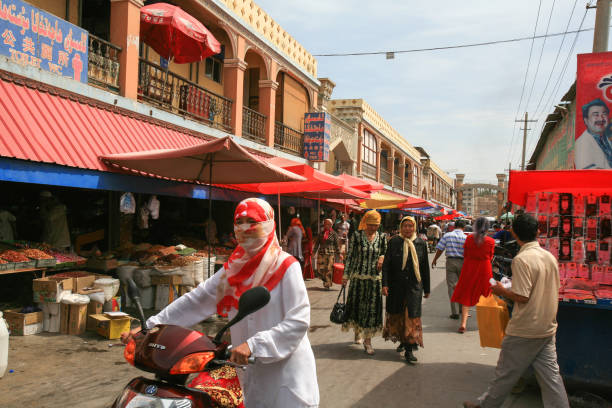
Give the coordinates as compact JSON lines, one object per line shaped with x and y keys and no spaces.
{"x":82,"y":371}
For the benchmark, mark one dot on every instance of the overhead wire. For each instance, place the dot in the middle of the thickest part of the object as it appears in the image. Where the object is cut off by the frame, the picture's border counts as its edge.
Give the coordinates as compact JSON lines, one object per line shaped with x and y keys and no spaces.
{"x":557,"y":85}
{"x":552,"y":70}
{"x":518,"y":108}
{"x":535,"y":77}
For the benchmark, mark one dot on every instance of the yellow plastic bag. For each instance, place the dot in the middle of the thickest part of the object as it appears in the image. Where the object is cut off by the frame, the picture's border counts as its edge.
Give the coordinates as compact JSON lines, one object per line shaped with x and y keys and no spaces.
{"x":493,"y":317}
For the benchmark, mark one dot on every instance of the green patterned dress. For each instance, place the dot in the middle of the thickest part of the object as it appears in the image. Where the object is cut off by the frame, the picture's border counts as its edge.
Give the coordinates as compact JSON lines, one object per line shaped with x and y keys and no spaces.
{"x":364,"y":301}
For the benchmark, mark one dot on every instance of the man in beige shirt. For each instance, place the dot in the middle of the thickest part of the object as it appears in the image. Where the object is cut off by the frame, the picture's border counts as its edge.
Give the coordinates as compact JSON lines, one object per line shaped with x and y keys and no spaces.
{"x":530,"y":334}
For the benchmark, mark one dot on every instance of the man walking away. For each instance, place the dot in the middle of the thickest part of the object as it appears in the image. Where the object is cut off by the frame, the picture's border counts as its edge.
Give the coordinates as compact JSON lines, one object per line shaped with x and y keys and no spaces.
{"x":530,"y":335}
{"x":452,"y":242}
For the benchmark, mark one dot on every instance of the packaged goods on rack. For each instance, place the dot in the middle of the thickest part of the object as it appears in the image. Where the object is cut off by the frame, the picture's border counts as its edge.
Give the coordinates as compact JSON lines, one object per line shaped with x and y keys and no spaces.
{"x":575,"y":228}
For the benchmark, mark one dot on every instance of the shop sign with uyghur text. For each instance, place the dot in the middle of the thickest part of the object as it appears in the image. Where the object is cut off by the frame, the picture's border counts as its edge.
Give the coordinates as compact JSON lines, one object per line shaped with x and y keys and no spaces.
{"x":32,"y":37}
{"x":593,"y":145}
{"x":317,"y":131}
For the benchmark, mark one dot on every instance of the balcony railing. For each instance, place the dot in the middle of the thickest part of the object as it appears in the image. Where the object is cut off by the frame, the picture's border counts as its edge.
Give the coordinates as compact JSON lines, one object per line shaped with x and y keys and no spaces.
{"x":397,"y":182}
{"x":179,"y":95}
{"x":385,"y":176}
{"x":103,"y":65}
{"x":253,"y":125}
{"x":288,"y":139}
{"x":368,"y":170}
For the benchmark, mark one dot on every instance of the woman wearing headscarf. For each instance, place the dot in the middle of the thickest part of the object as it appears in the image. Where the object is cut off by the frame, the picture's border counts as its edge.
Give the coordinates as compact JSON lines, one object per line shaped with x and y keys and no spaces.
{"x":327,"y":248}
{"x":476,"y":271}
{"x":284,"y":373}
{"x":405,"y":281}
{"x":363,"y":267}
{"x":295,"y":233}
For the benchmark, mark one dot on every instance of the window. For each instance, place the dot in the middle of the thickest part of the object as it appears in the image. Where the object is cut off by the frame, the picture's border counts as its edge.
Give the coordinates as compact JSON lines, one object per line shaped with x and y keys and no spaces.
{"x":212,"y":68}
{"x":415,"y":176}
{"x":369,"y":148}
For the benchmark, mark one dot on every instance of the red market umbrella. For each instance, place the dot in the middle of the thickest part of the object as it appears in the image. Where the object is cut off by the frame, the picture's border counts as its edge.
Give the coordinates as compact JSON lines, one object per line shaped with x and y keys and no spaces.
{"x":368,"y":186}
{"x":175,"y":35}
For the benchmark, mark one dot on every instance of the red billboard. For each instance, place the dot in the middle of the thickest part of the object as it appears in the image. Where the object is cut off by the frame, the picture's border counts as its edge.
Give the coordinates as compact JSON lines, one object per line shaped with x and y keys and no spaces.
{"x":593,"y":145}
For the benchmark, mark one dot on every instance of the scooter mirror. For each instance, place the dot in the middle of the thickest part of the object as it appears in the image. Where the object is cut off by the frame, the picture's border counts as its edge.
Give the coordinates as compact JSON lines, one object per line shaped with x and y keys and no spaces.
{"x":251,"y":301}
{"x":133,"y":291}
{"x":134,"y":294}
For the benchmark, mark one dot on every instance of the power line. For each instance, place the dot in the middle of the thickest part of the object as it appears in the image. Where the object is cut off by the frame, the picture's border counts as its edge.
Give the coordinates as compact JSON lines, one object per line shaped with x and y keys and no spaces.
{"x":552,"y":70}
{"x":535,"y":77}
{"x":449,"y":47}
{"x":562,"y":74}
{"x":524,"y":82}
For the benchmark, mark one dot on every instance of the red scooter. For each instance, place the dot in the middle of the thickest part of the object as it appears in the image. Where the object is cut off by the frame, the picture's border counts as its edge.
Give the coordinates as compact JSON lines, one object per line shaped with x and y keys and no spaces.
{"x":172,"y":353}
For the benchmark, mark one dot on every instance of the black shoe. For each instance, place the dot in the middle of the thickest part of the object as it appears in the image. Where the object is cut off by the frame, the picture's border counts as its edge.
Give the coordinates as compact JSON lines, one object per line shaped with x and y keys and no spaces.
{"x":454,"y":316}
{"x":400,"y":348}
{"x":409,"y":356}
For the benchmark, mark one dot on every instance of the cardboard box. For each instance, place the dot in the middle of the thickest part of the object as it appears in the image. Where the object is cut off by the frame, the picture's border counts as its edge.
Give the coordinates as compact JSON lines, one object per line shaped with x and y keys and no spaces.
{"x":109,"y":327}
{"x":80,"y":279}
{"x":73,"y":319}
{"x":94,"y":308}
{"x":102,"y":264}
{"x":23,"y":324}
{"x":50,"y":289}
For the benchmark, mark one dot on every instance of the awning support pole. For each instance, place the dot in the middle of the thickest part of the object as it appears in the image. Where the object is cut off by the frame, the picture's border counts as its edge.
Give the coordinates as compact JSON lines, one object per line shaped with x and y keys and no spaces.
{"x":208,"y":226}
{"x":279,"y":218}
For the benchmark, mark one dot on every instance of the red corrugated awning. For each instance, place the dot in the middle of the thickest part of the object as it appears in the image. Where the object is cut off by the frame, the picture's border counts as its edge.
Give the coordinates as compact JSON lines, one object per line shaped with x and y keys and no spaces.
{"x":45,"y":124}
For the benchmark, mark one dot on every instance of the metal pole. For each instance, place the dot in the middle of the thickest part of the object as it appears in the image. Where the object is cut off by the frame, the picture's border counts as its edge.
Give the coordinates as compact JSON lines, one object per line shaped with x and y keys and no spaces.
{"x":319,"y":215}
{"x":524,"y":144}
{"x":209,"y":212}
{"x":602,"y":21}
{"x":279,"y":218}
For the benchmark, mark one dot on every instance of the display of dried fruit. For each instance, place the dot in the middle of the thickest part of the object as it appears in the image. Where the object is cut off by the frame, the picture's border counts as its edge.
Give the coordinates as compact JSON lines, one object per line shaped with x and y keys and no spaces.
{"x":2,"y":261}
{"x":36,"y":254}
{"x":14,"y":256}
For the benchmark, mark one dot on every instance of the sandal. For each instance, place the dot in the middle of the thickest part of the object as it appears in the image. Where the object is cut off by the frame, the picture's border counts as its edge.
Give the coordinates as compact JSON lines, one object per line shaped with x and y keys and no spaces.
{"x":368,"y":349}
{"x":461,"y":330}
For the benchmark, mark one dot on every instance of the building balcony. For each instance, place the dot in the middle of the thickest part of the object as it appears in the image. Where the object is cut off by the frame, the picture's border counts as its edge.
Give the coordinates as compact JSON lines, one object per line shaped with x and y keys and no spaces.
{"x":253,"y":125}
{"x":288,"y":139}
{"x":397,"y":182}
{"x":368,"y":170}
{"x":178,"y":95}
{"x":385,"y":177}
{"x":103,"y":65}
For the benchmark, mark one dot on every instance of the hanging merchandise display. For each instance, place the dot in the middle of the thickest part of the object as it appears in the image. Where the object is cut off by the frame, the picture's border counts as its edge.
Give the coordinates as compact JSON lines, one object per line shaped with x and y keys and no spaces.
{"x":153,"y":207}
{"x":127,"y":203}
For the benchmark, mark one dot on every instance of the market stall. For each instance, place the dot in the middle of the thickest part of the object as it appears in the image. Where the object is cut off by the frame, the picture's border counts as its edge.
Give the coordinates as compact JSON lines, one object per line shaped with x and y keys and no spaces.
{"x":573,"y":209}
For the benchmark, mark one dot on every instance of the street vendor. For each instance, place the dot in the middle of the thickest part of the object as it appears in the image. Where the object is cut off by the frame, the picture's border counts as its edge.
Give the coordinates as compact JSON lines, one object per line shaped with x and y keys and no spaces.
{"x":55,"y":221}
{"x":284,"y":373}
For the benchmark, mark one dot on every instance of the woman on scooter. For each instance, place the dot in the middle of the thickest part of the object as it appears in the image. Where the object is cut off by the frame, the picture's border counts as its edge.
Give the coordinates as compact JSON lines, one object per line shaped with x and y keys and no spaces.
{"x":284,"y":373}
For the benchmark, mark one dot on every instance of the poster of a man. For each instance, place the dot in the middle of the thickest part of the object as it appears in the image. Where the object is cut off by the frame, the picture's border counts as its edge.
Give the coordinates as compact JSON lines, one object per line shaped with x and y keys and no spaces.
{"x":593,"y":145}
{"x":593,"y":148}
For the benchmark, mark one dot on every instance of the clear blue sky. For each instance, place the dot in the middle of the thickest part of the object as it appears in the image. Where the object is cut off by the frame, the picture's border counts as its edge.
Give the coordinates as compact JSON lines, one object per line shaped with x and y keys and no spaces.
{"x":459,"y":104}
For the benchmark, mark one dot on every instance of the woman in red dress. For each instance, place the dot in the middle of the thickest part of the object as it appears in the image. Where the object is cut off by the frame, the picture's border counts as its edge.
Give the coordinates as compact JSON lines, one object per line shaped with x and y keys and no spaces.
{"x":476,"y":271}
{"x":307,"y":245}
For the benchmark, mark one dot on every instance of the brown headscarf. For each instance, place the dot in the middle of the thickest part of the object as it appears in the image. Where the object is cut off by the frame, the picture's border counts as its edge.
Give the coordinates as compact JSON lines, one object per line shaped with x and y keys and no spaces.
{"x":409,"y":246}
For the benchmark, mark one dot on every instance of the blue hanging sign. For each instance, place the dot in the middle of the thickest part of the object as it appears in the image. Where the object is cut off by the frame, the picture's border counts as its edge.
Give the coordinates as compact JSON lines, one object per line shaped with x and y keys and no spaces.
{"x":317,"y":132}
{"x":32,"y":37}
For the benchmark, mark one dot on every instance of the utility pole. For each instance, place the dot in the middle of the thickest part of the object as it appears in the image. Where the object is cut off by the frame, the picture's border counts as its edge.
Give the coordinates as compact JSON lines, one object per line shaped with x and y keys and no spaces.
{"x":525,"y":129}
{"x":602,"y":21}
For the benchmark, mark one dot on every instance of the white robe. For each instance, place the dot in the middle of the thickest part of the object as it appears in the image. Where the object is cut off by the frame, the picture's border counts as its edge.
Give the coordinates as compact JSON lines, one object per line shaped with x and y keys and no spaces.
{"x":284,"y":374}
